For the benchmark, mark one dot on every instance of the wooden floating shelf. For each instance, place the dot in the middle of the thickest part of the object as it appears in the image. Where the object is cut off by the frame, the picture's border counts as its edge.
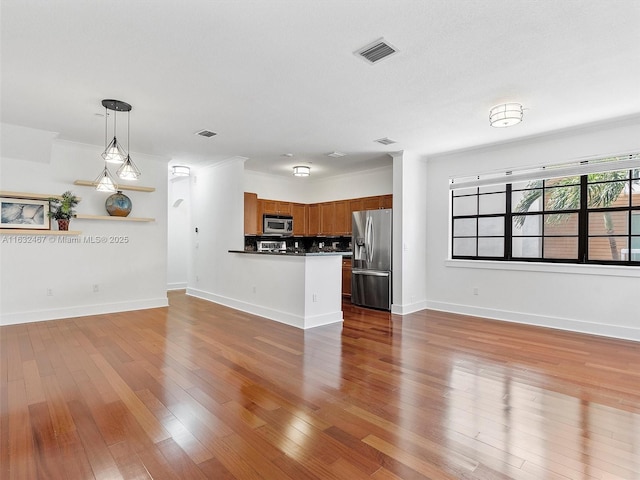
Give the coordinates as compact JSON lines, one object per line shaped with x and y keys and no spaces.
{"x":135,"y":188}
{"x":32,"y":196}
{"x":82,"y":216}
{"x":26,"y":231}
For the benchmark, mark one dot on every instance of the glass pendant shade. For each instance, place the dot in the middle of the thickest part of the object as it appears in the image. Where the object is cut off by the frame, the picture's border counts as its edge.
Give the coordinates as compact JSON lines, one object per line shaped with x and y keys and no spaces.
{"x":128,"y":170}
{"x":114,"y":153}
{"x":105,"y":183}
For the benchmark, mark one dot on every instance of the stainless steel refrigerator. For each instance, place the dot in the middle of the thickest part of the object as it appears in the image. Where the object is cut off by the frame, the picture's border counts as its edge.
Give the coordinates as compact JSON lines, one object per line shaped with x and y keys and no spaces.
{"x":371,"y":261}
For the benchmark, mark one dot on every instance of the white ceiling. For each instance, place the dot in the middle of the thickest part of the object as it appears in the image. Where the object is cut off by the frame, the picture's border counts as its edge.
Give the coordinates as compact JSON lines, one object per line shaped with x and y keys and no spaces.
{"x":279,"y":76}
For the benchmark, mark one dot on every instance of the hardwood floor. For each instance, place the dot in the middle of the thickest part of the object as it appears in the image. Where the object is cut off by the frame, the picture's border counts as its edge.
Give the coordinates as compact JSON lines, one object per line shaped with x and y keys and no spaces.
{"x":200,"y":391}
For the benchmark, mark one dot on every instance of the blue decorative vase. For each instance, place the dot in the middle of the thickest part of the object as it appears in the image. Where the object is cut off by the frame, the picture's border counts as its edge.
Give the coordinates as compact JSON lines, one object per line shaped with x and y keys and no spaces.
{"x":118,"y":205}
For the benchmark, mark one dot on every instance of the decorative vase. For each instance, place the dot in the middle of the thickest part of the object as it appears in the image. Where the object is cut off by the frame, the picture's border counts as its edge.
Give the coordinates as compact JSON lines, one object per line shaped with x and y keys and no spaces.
{"x":63,"y":224}
{"x":118,"y":205}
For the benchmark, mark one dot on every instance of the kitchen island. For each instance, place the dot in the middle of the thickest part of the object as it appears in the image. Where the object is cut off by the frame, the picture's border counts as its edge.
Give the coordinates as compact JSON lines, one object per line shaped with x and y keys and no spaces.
{"x":299,"y":289}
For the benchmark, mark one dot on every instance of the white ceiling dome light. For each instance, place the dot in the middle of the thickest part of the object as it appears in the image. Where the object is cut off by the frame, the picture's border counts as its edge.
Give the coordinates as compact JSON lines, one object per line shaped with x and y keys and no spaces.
{"x":505,"y":115}
{"x":301,"y":171}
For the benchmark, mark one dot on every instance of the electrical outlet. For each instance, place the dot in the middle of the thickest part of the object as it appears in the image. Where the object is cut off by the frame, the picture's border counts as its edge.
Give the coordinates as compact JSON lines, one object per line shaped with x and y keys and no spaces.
{"x":315,"y":297}
{"x":253,"y":289}
{"x":96,"y":288}
{"x":475,"y":291}
{"x":49,"y":292}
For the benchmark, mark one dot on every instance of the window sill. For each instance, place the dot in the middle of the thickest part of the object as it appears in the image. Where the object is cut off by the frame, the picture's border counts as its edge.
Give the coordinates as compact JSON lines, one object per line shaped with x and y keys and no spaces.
{"x":568,"y":268}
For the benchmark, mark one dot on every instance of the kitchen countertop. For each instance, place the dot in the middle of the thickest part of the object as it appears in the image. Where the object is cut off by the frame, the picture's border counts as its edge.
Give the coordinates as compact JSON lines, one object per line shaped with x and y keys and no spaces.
{"x":294,"y":254}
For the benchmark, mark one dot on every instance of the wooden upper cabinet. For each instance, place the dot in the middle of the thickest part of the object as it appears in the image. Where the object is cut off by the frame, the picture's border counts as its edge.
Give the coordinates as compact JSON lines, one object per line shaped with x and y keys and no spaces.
{"x":327,"y":218}
{"x":276,"y":207}
{"x":313,"y":219}
{"x":342,"y":218}
{"x":284,"y":208}
{"x":371,"y":203}
{"x":250,"y":213}
{"x":299,"y":212}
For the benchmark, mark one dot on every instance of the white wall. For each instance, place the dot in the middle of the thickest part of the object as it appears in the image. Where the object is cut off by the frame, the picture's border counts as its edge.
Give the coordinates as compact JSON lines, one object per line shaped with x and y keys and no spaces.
{"x":179,"y":232}
{"x":592,"y":299}
{"x":309,"y":190}
{"x":130,"y":275}
{"x":410,"y":243}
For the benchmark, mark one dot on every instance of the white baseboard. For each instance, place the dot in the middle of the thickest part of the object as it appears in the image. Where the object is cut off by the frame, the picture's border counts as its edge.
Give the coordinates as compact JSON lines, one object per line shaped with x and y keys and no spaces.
{"x":81,"y":311}
{"x":272,"y":314}
{"x":177,"y":286}
{"x":614,"y":331}
{"x":409,"y":308}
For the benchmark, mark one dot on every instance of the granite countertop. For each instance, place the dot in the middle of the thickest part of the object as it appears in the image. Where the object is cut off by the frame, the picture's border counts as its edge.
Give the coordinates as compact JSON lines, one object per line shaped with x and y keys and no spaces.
{"x":294,"y":254}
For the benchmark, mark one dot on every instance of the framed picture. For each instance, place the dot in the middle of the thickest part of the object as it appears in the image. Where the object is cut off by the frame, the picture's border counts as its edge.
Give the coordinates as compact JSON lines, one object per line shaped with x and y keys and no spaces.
{"x":24,"y":213}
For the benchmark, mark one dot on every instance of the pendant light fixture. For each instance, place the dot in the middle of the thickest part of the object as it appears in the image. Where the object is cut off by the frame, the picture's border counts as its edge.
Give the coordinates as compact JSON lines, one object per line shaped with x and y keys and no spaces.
{"x":105,"y":182}
{"x":128,"y":170}
{"x":113,"y":152}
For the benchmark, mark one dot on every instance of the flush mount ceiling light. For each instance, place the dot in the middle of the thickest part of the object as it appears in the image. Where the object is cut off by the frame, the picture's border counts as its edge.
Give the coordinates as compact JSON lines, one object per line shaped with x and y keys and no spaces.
{"x":336,"y":154}
{"x":505,"y":115}
{"x":180,"y":171}
{"x":301,"y":171}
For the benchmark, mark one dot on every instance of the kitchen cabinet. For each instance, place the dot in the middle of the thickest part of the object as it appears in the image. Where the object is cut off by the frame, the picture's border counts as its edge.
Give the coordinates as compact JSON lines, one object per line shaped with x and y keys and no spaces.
{"x":327,"y":218}
{"x":371,"y":203}
{"x":346,"y":277}
{"x":299,"y":212}
{"x":313,"y":219}
{"x":276,"y":207}
{"x":342,"y":218}
{"x":250,"y":213}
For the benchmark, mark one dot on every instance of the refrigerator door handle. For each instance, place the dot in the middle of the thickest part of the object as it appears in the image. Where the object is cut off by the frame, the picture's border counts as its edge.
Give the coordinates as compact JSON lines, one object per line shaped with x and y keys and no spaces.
{"x":371,"y":273}
{"x":369,"y":239}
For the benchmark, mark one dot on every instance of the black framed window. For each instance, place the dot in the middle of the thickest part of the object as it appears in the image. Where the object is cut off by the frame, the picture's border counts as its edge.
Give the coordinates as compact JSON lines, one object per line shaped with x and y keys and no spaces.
{"x":592,"y":218}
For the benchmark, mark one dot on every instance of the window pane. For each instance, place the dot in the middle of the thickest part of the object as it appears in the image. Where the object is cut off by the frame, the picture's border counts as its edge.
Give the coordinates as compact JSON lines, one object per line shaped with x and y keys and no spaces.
{"x":610,"y":194}
{"x":491,"y":247}
{"x":491,"y":226}
{"x":608,"y":248}
{"x":527,"y":185}
{"x":527,"y":201}
{"x":492,"y":203}
{"x":607,"y":176}
{"x":464,"y":227}
{"x":561,"y":247}
{"x":635,"y":190}
{"x":526,"y":247}
{"x":562,"y":198}
{"x":464,"y":246}
{"x":527,"y":225}
{"x":561,"y":224}
{"x":562,"y":181}
{"x":493,"y":188}
{"x":608,"y":223}
{"x":465,"y":191}
{"x":635,"y":249}
{"x":635,"y":173}
{"x":465,"y":206}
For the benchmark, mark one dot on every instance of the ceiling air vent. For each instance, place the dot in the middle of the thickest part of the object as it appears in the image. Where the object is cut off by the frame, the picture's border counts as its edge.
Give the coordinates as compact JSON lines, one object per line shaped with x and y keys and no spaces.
{"x":376,"y":51}
{"x":206,"y":133}
{"x":336,"y":154}
{"x":385,"y":141}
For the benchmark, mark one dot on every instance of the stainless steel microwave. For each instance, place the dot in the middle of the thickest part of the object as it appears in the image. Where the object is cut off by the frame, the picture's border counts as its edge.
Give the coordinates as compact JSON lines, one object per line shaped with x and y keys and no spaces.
{"x":277,"y":224}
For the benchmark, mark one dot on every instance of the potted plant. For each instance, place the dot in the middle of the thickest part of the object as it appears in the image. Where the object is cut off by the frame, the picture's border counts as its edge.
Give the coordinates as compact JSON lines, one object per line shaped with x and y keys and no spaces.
{"x":61,"y":209}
